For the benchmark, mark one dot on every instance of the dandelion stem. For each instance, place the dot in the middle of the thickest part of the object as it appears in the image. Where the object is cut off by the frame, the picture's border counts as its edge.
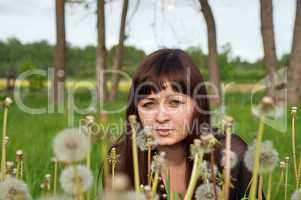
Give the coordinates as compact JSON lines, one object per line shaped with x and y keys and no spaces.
{"x":299,"y":171}
{"x":103,"y":150}
{"x":249,"y":185}
{"x":260,"y":188}
{"x":149,"y":156}
{"x":194,"y":175}
{"x":21,"y":169}
{"x":256,"y":159}
{"x":155,"y":182}
{"x":228,"y":164}
{"x":88,"y":162}
{"x":18,"y":169}
{"x":55,"y":176}
{"x":3,"y":157}
{"x":213,"y":174}
{"x":135,"y":158}
{"x":269,"y":186}
{"x":77,"y":185}
{"x":286,"y":178}
{"x":294,"y":146}
{"x":280,"y":181}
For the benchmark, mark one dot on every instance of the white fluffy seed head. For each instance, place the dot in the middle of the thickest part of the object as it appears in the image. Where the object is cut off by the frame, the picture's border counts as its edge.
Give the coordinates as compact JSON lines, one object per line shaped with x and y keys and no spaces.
{"x":76,"y":179}
{"x":233,"y":159}
{"x":268,"y":108}
{"x":206,"y":171}
{"x":158,"y":162}
{"x":70,"y":145}
{"x":206,"y":192}
{"x":145,"y":138}
{"x":268,"y":157}
{"x":8,"y":101}
{"x":296,"y":195}
{"x":12,"y":188}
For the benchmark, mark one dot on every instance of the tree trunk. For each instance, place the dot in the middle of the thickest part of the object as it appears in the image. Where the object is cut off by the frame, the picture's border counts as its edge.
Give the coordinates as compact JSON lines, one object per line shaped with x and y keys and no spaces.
{"x":117,"y":64}
{"x":213,"y":68}
{"x":294,"y":66}
{"x":268,"y":39}
{"x":101,"y":88}
{"x":59,"y":55}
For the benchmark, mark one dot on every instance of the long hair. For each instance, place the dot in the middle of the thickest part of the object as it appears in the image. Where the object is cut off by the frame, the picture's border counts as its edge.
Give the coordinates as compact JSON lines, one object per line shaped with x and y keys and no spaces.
{"x":174,"y":66}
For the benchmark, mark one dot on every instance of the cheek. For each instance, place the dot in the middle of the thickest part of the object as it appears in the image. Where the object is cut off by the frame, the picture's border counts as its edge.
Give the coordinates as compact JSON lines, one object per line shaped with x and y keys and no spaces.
{"x":183,"y":119}
{"x":145,"y":117}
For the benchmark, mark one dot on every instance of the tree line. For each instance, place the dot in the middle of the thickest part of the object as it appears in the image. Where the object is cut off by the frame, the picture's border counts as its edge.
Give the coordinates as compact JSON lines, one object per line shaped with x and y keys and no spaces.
{"x":80,"y":61}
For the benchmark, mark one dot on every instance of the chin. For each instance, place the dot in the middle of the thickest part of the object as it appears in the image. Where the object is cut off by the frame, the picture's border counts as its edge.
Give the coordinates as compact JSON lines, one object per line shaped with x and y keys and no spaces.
{"x":168,"y":141}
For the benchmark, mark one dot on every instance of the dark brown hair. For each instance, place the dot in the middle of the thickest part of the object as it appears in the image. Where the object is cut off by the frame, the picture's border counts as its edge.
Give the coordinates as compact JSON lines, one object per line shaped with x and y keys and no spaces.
{"x":175,"y":66}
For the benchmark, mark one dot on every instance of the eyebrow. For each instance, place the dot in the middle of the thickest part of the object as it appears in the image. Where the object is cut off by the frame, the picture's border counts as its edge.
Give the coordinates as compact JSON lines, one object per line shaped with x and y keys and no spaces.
{"x":168,"y":96}
{"x":149,"y":98}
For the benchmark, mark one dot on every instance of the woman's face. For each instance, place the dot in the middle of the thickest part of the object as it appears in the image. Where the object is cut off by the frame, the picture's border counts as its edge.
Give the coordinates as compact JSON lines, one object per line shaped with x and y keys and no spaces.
{"x":169,"y":114}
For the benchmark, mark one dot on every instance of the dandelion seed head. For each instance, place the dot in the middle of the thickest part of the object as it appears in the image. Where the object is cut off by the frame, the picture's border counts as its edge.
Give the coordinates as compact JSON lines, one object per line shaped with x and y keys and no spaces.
{"x":233,"y":159}
{"x":6,"y":140}
{"x":206,"y":192}
{"x":228,"y":121}
{"x":8,"y":101}
{"x":90,"y":119}
{"x":208,"y":142}
{"x":79,"y":177}
{"x":133,"y":119}
{"x":287,"y":158}
{"x":294,"y":110}
{"x":282,"y":164}
{"x":296,"y":195}
{"x":48,"y":177}
{"x":159,"y":161}
{"x":268,"y":108}
{"x":145,"y":138}
{"x":12,"y":188}
{"x":70,"y":145}
{"x":195,"y":148}
{"x":268,"y":157}
{"x":206,"y":171}
{"x":19,"y":154}
{"x":9,"y":164}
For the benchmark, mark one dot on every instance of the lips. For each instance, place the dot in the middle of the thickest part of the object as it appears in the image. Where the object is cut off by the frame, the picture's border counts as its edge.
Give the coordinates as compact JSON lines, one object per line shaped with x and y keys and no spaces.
{"x":163,"y":131}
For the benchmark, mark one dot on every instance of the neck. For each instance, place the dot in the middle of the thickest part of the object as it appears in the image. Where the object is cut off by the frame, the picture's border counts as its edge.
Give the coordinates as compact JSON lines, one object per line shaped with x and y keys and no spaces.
{"x":175,"y":154}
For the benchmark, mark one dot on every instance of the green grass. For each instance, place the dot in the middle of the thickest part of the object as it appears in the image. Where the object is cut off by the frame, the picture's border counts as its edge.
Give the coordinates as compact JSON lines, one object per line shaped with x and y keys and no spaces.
{"x":34,"y":133}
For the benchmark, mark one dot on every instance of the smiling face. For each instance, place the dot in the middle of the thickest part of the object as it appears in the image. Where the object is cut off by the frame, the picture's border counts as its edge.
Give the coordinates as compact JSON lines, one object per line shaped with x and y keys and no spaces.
{"x":169,"y":113}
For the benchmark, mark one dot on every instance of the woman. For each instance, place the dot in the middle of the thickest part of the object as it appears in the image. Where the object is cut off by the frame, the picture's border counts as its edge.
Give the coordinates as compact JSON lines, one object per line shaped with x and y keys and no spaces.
{"x":169,"y":94}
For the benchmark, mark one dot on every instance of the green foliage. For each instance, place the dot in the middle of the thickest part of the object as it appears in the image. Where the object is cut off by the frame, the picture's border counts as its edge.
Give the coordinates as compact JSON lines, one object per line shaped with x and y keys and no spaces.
{"x":80,"y":61}
{"x":35,"y":81}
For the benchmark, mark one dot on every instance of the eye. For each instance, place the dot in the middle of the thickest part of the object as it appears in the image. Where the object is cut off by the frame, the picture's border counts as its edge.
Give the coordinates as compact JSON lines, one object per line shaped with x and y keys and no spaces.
{"x":148,"y":105}
{"x":175,"y":103}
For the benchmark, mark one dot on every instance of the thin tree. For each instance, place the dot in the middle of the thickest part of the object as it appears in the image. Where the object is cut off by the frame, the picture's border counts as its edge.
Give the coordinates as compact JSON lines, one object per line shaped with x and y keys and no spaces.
{"x":294,"y":65}
{"x":59,"y":54}
{"x":118,"y":58}
{"x":101,"y":88}
{"x":213,"y":68}
{"x":268,"y":40}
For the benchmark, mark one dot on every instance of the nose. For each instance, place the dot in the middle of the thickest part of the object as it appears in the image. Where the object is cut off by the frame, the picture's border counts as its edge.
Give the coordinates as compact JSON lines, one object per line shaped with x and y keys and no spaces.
{"x":161,"y":115}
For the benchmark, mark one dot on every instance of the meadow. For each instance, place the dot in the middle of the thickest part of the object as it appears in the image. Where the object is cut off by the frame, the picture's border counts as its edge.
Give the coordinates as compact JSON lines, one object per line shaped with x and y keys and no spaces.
{"x":34,"y":133}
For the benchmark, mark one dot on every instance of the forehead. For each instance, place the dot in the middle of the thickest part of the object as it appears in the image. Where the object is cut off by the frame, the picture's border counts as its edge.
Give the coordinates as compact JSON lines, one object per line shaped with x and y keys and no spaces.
{"x":166,"y":92}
